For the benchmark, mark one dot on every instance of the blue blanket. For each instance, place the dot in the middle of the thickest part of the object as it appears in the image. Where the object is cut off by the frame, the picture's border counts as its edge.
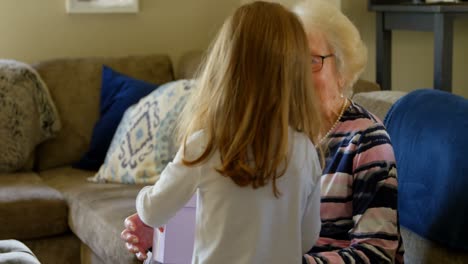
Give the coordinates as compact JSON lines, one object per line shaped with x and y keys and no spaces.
{"x":429,"y":133}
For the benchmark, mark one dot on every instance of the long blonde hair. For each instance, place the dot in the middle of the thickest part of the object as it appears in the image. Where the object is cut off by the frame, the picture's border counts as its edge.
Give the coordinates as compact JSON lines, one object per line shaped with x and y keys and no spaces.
{"x":254,"y":84}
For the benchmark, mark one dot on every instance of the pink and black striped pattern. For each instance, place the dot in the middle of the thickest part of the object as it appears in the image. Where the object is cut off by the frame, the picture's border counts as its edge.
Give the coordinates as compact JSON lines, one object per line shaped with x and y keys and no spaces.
{"x":359,"y":194}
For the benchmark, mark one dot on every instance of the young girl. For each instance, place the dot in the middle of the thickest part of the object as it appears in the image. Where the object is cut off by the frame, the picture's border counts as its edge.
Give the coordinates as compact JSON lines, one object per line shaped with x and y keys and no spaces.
{"x":247,"y":147}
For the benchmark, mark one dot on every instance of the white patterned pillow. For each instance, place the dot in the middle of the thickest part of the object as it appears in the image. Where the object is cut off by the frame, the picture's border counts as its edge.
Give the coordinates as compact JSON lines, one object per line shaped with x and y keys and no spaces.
{"x":144,"y":141}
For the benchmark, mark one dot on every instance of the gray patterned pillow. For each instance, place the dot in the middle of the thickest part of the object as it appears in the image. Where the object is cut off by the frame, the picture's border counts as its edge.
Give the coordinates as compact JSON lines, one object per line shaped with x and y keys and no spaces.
{"x":27,"y":114}
{"x":143,"y":143}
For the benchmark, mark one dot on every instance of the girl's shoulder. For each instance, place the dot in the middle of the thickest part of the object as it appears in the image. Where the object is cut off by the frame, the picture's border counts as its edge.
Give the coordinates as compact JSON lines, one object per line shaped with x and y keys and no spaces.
{"x":299,"y":138}
{"x":302,"y":145}
{"x":195,"y":144}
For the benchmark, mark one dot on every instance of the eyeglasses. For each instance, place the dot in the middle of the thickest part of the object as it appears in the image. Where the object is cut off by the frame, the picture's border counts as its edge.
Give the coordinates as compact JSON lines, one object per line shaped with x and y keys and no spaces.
{"x":317,"y":61}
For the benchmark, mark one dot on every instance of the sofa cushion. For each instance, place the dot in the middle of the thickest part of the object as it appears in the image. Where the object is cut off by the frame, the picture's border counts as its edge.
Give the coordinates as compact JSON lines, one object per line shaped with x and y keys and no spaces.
{"x":29,"y":208}
{"x":378,"y":102}
{"x":144,"y":142}
{"x":97,"y":211}
{"x":118,"y":92}
{"x":75,"y":88}
{"x":421,"y":250}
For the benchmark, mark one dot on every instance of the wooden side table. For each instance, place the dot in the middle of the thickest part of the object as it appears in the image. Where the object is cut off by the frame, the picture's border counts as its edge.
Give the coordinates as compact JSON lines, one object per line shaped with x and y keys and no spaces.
{"x":437,"y":18}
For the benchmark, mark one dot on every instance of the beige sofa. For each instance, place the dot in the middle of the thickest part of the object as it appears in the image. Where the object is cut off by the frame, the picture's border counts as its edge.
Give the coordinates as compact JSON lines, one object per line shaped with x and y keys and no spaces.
{"x":53,"y":209}
{"x":50,"y":206}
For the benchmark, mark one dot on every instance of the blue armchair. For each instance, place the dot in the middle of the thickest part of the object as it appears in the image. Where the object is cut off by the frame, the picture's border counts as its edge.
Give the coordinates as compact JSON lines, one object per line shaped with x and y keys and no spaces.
{"x":429,"y":133}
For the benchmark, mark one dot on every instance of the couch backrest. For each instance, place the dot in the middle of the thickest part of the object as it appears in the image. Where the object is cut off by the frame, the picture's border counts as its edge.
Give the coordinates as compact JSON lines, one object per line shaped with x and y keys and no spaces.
{"x":189,"y":64}
{"x":378,"y":102}
{"x":75,"y":86}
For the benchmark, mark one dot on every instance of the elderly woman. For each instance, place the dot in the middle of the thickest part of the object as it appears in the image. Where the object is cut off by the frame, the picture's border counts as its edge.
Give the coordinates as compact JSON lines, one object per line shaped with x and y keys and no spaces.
{"x":359,"y":182}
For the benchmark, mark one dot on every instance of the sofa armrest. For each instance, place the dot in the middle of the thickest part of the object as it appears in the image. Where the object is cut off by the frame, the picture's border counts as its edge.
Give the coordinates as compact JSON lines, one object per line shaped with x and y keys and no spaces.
{"x":420,"y":250}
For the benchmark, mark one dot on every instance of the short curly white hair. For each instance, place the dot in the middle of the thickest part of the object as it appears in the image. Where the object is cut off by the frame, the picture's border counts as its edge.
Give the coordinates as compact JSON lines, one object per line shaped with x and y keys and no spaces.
{"x":340,"y":33}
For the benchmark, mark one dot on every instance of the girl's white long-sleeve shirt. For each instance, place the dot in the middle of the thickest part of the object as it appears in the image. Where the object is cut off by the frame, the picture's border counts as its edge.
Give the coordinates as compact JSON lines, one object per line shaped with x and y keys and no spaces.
{"x":241,"y":224}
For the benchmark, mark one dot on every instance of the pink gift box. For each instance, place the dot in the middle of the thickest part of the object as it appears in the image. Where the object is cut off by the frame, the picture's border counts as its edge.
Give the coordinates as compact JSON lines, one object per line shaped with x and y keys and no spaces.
{"x":175,"y":244}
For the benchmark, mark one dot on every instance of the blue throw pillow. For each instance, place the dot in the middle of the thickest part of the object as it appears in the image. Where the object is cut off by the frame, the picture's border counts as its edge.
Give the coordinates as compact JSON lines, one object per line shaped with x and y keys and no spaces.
{"x":118,"y":92}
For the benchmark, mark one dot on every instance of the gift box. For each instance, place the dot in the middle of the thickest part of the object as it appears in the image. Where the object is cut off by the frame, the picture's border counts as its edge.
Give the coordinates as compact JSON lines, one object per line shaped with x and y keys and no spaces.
{"x":175,"y":244}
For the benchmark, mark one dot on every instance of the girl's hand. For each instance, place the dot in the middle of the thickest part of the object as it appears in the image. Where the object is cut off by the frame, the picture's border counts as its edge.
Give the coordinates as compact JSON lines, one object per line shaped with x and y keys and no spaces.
{"x":138,"y":236}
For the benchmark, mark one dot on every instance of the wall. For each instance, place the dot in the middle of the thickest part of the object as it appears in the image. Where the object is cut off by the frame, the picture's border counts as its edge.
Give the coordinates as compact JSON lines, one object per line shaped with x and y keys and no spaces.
{"x":33,"y":30}
{"x":412,"y":52}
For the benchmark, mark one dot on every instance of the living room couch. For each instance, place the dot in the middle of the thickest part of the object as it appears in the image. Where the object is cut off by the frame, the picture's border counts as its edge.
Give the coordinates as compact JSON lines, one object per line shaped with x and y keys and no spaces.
{"x":52,"y":207}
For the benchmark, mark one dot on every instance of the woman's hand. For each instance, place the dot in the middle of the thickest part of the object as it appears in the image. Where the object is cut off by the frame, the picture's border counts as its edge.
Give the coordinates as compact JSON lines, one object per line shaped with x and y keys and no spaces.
{"x":138,"y":237}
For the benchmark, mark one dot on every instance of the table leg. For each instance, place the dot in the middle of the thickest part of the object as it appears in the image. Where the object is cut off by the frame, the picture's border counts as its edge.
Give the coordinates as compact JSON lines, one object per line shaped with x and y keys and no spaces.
{"x":384,"y":54}
{"x":443,"y":51}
